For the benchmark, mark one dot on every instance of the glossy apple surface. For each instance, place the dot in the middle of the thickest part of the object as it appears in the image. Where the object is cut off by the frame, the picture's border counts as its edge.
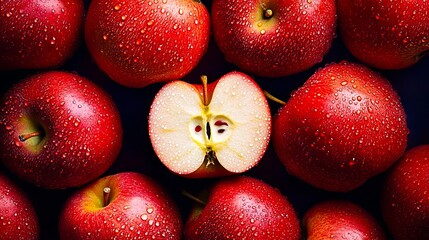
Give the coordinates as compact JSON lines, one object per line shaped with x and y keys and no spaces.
{"x":345,"y":125}
{"x":207,"y":131}
{"x":405,"y":198}
{"x":18,"y":218}
{"x":243,"y":208}
{"x":58,"y":130}
{"x":134,"y":207}
{"x":340,"y":219}
{"x":274,"y":38}
{"x":39,"y":34}
{"x":138,"y":43}
{"x":383,"y":34}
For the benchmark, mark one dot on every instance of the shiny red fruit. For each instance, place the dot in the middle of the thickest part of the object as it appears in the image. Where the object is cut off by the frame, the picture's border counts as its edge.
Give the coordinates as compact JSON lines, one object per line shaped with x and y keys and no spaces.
{"x":243,"y":208}
{"x":274,"y":38}
{"x":134,"y":207}
{"x":138,"y":43}
{"x":405,"y":198}
{"x":339,"y":219}
{"x":39,"y":34}
{"x":58,"y":130}
{"x":385,"y":34}
{"x":345,"y":125}
{"x":18,"y":218}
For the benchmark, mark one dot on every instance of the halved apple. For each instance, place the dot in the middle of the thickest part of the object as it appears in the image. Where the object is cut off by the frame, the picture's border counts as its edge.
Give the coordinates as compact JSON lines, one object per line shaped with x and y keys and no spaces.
{"x":210,"y":130}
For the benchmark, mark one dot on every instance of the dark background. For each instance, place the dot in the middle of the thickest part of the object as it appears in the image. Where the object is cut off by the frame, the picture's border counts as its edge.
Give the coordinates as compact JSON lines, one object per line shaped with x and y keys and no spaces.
{"x":412,"y":85}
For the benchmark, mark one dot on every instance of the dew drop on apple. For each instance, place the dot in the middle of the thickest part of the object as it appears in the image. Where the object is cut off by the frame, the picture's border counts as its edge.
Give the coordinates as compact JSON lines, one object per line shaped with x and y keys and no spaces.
{"x":18,"y":143}
{"x":149,"y":210}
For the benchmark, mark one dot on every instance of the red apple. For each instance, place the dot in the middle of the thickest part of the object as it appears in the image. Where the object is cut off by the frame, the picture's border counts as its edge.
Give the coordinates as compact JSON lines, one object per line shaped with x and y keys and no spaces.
{"x":122,"y":206}
{"x":274,"y":38}
{"x":39,"y":34}
{"x":18,"y":218}
{"x":243,"y":208}
{"x":405,"y":198}
{"x":385,"y":34}
{"x":142,"y":42}
{"x":339,"y":219}
{"x":207,"y":131}
{"x":58,"y":130}
{"x":345,"y":125}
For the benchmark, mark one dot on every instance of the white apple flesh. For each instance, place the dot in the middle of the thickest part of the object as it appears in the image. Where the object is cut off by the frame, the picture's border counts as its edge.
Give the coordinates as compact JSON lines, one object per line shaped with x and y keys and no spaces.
{"x":207,"y":131}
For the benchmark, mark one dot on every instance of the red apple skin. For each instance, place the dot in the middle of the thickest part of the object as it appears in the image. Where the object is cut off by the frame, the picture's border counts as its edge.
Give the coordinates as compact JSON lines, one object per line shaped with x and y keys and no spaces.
{"x":243,"y":208}
{"x":81,"y":125}
{"x":18,"y":218}
{"x":405,"y":197}
{"x":295,"y":38}
{"x":339,"y":219}
{"x":139,"y":43}
{"x":138,"y":209}
{"x":345,"y":125}
{"x":383,"y":34}
{"x":39,"y":34}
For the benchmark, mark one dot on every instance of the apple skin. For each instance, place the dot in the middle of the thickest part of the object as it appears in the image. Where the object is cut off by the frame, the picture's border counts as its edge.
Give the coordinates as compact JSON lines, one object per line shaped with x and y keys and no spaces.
{"x":295,"y":38}
{"x":243,"y":208}
{"x":340,"y":219}
{"x":345,"y":125}
{"x":138,"y":208}
{"x":139,"y":43}
{"x":39,"y":34}
{"x":81,"y":132}
{"x":405,"y":197}
{"x":383,"y":34}
{"x":18,"y":219}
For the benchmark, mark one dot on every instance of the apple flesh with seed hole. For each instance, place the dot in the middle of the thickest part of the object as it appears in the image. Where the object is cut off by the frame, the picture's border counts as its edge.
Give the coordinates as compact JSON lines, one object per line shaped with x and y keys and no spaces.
{"x":405,"y":197}
{"x":210,"y":130}
{"x":18,"y":218}
{"x":122,"y":206}
{"x":339,"y":219}
{"x":243,"y":208}
{"x":384,"y":34}
{"x":58,"y":130}
{"x":39,"y":34}
{"x":274,"y":38}
{"x":137,"y":43}
{"x":345,"y":125}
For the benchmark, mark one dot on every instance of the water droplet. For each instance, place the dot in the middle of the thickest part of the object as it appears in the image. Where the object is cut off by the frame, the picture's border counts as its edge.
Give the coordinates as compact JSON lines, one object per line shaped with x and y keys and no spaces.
{"x":149,"y":210}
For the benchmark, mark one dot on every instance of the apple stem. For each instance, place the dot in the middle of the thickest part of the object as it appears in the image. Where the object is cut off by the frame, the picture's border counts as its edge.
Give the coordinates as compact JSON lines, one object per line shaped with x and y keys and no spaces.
{"x":205,"y":93}
{"x":268,"y":13}
{"x":106,"y":196}
{"x":271,"y":97}
{"x":24,"y":137}
{"x":193,"y":198}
